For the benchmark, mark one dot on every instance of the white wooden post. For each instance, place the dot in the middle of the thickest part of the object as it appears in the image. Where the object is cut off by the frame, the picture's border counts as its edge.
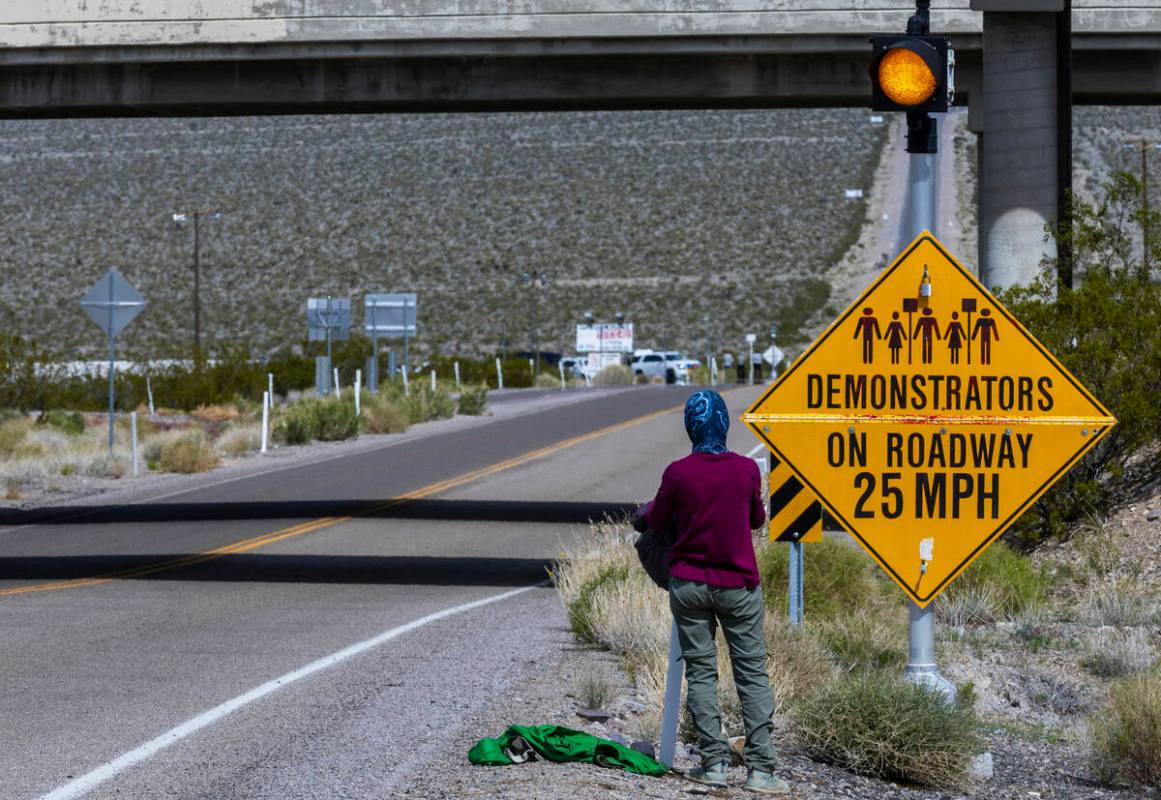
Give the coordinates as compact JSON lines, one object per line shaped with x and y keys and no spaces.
{"x":358,"y":387}
{"x":265,"y":419}
{"x":499,"y":374}
{"x":133,"y":441}
{"x":456,"y":365}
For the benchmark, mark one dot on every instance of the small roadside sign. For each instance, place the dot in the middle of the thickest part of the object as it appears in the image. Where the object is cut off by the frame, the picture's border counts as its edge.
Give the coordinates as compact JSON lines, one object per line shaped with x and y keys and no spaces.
{"x":927,"y":419}
{"x":113,"y":303}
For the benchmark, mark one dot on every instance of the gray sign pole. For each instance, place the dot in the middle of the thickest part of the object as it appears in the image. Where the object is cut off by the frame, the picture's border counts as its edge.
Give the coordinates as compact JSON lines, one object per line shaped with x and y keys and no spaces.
{"x":921,"y":667}
{"x":405,"y":334}
{"x":373,"y":372}
{"x":112,"y":360}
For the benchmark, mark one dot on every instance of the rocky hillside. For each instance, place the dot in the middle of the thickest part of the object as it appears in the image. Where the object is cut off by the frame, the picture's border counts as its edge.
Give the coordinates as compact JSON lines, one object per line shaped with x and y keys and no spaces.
{"x":695,"y":225}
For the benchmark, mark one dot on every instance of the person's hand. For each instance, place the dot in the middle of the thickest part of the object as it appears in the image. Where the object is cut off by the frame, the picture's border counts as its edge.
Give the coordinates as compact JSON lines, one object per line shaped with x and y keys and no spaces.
{"x":638,"y":518}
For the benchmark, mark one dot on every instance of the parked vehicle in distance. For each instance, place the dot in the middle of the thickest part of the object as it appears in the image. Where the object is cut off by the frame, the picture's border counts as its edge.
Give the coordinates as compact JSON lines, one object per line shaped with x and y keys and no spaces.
{"x":574,"y":366}
{"x":670,"y":365}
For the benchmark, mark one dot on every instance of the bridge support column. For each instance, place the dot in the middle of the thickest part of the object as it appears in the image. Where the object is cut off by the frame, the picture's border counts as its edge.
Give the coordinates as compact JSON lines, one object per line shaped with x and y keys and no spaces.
{"x":1024,"y":114}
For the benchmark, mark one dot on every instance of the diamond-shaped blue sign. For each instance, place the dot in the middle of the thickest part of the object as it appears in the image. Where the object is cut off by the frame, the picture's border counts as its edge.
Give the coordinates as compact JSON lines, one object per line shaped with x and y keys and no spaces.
{"x":113,"y":303}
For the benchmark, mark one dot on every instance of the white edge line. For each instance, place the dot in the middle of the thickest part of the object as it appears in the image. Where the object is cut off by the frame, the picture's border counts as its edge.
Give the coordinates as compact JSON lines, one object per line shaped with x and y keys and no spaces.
{"x":81,"y":786}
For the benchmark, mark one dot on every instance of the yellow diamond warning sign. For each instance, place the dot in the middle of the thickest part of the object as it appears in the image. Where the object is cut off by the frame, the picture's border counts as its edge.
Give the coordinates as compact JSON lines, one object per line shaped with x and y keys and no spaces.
{"x":927,"y":419}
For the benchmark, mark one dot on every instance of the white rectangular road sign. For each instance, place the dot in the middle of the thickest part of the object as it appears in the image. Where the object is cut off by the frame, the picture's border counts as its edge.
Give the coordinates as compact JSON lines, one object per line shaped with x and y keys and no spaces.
{"x":390,"y":315}
{"x":604,"y":338}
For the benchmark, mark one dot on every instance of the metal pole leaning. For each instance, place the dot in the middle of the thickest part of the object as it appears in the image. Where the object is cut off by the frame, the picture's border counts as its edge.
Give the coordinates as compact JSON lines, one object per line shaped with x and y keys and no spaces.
{"x":674,"y":674}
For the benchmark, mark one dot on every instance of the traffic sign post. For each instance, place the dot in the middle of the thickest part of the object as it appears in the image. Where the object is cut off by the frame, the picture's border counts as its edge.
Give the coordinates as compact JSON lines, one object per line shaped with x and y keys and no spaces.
{"x":112,"y":303}
{"x":927,"y":459}
{"x":388,"y":316}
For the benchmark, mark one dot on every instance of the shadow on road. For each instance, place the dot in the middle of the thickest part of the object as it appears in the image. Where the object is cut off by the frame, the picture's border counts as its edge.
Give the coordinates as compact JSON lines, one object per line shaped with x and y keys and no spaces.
{"x":388,"y":508}
{"x":275,"y":568}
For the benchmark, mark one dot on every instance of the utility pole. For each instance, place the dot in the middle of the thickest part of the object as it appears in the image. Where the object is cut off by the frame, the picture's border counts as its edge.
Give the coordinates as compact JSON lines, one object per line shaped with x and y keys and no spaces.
{"x":179,"y":219}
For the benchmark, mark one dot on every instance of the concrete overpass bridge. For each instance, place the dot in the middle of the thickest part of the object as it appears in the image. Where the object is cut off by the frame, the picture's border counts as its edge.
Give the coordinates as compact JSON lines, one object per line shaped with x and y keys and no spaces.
{"x":1020,"y":66}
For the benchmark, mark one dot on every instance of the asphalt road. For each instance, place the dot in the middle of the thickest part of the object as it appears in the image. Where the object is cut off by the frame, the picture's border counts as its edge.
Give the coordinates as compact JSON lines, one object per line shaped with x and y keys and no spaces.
{"x":273,"y":636}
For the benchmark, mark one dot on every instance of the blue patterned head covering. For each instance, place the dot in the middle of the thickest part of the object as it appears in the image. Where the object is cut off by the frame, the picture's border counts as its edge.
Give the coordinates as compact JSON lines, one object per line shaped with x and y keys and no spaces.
{"x":707,"y":421}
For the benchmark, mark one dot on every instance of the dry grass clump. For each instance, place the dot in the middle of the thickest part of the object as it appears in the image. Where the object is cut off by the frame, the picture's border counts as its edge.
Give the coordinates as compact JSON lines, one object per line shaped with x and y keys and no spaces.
{"x":240,"y":441}
{"x":881,"y":726}
{"x":473,"y":400}
{"x":614,"y":375}
{"x":381,"y":414}
{"x":12,"y":435}
{"x":108,"y":467}
{"x":216,"y":413}
{"x":187,"y":454}
{"x":546,"y":380}
{"x":1117,"y":652}
{"x":595,"y":689}
{"x":797,"y":662}
{"x":1126,"y":737}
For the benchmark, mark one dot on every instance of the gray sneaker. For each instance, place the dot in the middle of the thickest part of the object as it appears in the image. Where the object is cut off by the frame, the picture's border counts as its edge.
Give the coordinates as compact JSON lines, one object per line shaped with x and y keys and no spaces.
{"x":765,"y":783}
{"x":713,"y":775}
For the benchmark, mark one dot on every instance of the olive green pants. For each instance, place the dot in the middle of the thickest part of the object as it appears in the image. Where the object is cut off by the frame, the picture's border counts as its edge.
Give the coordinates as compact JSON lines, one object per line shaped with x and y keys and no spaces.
{"x":698,"y":609}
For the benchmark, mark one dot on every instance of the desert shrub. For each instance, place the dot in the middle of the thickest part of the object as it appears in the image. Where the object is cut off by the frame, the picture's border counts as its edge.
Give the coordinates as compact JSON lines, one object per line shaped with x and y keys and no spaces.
{"x":1106,"y":330}
{"x":581,"y":614}
{"x":422,"y":404}
{"x":546,"y":380}
{"x":623,"y":610}
{"x":1117,"y":653}
{"x":239,"y":441}
{"x":336,"y":419}
{"x":70,"y":423}
{"x":381,"y":414}
{"x":107,"y":467}
{"x":186,"y":454}
{"x":326,"y":419}
{"x":884,"y":727}
{"x":1126,"y":737}
{"x":839,"y":578}
{"x":614,"y":375}
{"x":12,"y":435}
{"x":595,"y":689}
{"x":473,"y":400}
{"x":798,"y":664}
{"x":865,"y":640}
{"x":1001,"y":583}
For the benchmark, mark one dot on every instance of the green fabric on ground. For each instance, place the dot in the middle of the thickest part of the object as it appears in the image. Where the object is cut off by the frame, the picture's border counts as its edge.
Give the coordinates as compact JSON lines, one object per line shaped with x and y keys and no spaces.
{"x":556,"y":743}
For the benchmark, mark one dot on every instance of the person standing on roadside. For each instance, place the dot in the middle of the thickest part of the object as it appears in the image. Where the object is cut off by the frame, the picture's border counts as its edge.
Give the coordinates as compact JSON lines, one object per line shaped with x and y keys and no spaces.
{"x":712,"y":498}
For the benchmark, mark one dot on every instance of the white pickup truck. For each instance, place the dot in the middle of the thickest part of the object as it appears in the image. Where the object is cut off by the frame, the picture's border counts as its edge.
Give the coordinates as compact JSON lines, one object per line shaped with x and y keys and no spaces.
{"x":670,"y":365}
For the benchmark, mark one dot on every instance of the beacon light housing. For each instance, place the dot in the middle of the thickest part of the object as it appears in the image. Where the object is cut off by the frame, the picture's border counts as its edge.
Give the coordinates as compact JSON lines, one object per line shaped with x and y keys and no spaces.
{"x":911,"y":73}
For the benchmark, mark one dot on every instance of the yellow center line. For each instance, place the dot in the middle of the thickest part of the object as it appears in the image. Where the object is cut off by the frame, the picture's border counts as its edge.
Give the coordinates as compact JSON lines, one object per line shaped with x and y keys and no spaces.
{"x":311,"y":526}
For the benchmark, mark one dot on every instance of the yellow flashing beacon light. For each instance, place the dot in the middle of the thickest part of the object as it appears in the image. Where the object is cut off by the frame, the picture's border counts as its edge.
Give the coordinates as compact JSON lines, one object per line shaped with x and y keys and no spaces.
{"x":911,"y":73}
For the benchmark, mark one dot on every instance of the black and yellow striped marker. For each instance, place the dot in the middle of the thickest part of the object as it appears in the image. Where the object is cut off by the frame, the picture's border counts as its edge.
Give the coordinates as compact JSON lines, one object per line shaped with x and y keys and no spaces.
{"x":795,"y":511}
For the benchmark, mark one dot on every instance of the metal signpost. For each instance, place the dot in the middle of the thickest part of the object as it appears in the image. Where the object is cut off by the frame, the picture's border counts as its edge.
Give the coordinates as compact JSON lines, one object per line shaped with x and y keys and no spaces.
{"x":750,"y":339}
{"x":328,"y":318}
{"x":112,"y":303}
{"x":388,"y":316}
{"x":927,"y":459}
{"x":795,"y":517}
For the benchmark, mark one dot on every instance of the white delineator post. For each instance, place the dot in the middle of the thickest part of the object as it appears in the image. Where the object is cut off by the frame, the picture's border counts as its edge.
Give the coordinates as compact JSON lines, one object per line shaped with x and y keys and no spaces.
{"x":149,"y":394}
{"x":674,"y":674}
{"x":406,"y":385}
{"x":499,"y":374}
{"x":358,"y":387}
{"x":265,"y":420}
{"x":561,"y":365}
{"x":133,"y":441}
{"x":531,"y":373}
{"x":456,"y":367}
{"x":270,"y":388}
{"x":338,"y":391}
{"x":433,"y":381}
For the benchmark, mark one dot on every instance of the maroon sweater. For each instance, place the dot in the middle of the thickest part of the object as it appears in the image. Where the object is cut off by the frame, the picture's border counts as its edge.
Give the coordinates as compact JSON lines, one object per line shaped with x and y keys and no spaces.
{"x":713,"y":502}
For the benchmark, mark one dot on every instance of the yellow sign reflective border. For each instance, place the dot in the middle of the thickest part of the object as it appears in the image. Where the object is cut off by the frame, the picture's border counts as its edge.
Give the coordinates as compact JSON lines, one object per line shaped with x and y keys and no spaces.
{"x":795,"y":511}
{"x":927,"y":419}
